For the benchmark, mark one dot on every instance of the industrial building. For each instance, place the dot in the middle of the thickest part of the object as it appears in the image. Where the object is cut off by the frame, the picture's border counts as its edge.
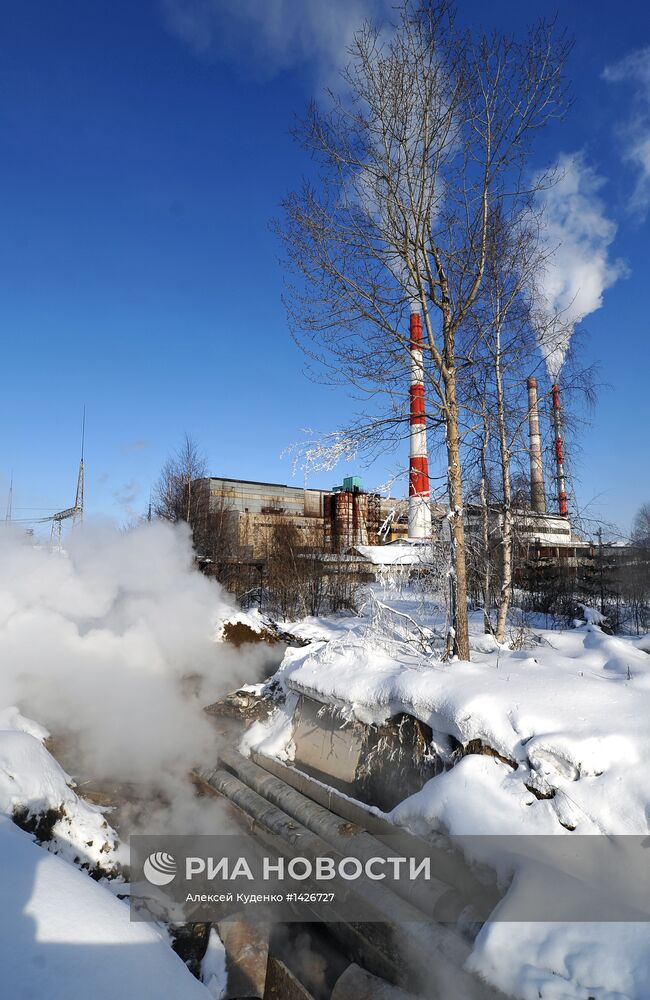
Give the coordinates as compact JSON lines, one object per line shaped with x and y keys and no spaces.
{"x":249,"y":513}
{"x":246,"y":515}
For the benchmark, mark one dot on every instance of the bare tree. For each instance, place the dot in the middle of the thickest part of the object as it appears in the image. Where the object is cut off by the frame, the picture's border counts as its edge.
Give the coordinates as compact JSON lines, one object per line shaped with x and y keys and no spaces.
{"x":641,"y":527}
{"x":432,"y":134}
{"x":506,"y":353}
{"x":172,"y":494}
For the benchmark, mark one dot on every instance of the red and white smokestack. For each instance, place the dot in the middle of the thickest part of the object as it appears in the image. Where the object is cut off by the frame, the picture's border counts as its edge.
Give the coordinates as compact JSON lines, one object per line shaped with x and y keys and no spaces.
{"x":559,"y":451}
{"x":419,"y":500}
{"x":537,"y":496}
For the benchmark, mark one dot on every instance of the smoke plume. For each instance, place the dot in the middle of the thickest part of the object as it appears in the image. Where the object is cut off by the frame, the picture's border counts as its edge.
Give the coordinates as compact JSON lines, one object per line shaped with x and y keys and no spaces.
{"x":576,"y":236}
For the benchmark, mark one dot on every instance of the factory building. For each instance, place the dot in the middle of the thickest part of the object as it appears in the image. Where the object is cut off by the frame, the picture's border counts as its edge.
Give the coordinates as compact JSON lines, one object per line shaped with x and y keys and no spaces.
{"x":245,"y":516}
{"x":248,"y":514}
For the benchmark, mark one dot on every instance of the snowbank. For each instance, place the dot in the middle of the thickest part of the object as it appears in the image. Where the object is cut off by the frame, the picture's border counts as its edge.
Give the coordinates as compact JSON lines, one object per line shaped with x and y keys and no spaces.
{"x":64,"y":937}
{"x":571,"y":714}
{"x":33,"y":785}
{"x":568,"y":719}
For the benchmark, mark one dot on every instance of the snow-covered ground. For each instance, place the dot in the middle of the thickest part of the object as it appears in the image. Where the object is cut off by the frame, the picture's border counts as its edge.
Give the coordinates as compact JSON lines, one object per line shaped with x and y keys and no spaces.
{"x":569,"y":708}
{"x":64,"y":935}
{"x":99,"y":641}
{"x":568,"y":714}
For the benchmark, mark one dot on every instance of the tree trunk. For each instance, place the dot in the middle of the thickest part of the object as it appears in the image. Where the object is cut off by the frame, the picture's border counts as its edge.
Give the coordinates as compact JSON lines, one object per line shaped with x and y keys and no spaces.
{"x":503,"y":603}
{"x":460,"y":643}
{"x":485,"y":569}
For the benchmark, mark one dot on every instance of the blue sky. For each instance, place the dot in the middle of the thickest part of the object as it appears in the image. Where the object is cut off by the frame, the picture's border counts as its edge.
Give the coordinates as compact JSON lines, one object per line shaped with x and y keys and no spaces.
{"x":144,"y":149}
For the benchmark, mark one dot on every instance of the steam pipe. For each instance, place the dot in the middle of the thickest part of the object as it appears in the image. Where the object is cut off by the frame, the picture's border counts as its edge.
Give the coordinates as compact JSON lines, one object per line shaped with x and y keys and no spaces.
{"x":357,"y":984}
{"x":440,"y":900}
{"x":296,"y":839}
{"x":537,"y":494}
{"x":419,"y":502}
{"x":559,"y":451}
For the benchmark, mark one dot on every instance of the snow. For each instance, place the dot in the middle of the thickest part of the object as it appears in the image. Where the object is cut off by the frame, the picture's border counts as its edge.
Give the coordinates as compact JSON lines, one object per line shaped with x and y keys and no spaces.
{"x":97,"y":642}
{"x":65,"y":937}
{"x":573,"y":708}
{"x":213,"y":967}
{"x":591,"y":615}
{"x":397,"y":553}
{"x":31,"y":780}
{"x":568,"y":715}
{"x":273,"y":735}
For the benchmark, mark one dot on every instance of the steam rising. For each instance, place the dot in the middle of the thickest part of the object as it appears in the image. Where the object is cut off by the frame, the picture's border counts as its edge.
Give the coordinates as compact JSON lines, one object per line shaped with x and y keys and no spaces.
{"x":113,"y":641}
{"x":576,"y":236}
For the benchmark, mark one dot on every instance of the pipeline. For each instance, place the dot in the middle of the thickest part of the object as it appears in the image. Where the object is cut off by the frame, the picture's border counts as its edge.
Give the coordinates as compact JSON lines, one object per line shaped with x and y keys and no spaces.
{"x":438,"y":900}
{"x":379,"y":944}
{"x":357,"y":984}
{"x":456,"y":871}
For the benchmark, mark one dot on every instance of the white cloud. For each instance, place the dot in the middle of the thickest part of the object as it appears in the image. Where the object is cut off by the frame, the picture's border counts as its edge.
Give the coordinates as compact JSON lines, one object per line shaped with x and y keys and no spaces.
{"x":635,"y":132}
{"x":577,"y":235}
{"x":272,"y":35}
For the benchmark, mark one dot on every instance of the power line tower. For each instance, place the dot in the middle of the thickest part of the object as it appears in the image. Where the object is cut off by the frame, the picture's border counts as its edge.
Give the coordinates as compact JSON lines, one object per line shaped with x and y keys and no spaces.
{"x":76,"y":512}
{"x":10,"y":498}
{"x":79,"y":497}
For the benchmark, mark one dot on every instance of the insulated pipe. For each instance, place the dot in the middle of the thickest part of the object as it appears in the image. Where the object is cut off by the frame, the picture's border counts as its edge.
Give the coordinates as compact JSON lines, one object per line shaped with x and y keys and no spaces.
{"x":537,"y":497}
{"x":439,"y":945}
{"x":559,"y":451}
{"x":357,"y":984}
{"x":419,"y":502}
{"x":457,"y":873}
{"x":437,"y":899}
{"x":246,"y":943}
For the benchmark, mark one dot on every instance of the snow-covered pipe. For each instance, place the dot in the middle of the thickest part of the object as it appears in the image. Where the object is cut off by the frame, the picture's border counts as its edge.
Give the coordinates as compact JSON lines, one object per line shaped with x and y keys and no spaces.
{"x":419,"y":499}
{"x":559,"y":451}
{"x":537,"y":496}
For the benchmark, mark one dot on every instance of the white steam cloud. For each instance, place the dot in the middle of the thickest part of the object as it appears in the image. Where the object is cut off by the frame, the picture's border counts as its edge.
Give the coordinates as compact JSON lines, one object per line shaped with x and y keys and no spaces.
{"x":576,"y":236}
{"x":635,"y":132}
{"x":113,"y":641}
{"x":272,"y":35}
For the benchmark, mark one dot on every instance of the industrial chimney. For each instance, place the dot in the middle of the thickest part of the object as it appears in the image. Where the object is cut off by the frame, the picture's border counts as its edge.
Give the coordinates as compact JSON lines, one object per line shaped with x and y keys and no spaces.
{"x":559,"y":451}
{"x":419,"y":502}
{"x":537,"y":497}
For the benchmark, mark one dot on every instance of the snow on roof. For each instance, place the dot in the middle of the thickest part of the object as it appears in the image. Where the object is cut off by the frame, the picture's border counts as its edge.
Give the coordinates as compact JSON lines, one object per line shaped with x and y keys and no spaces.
{"x":397,"y":553}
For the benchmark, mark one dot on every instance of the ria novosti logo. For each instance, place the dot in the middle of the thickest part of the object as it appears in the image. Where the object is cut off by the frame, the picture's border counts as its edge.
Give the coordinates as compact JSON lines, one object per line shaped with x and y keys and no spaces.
{"x":159,"y":868}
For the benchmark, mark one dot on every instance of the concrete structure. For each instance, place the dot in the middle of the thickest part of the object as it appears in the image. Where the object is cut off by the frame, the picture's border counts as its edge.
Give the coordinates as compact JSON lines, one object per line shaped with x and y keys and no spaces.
{"x":419,"y":496}
{"x":559,"y":452}
{"x":537,"y":494}
{"x":250,"y":512}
